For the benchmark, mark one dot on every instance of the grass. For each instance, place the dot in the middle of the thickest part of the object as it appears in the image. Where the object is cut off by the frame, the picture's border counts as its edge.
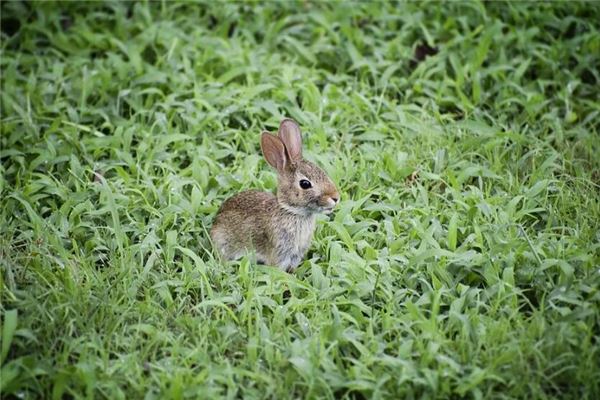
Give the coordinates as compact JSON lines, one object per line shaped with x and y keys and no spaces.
{"x":463,"y":261}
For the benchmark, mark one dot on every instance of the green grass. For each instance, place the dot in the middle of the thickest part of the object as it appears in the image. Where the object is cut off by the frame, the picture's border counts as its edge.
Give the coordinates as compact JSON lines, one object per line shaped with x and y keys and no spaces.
{"x":463,"y":261}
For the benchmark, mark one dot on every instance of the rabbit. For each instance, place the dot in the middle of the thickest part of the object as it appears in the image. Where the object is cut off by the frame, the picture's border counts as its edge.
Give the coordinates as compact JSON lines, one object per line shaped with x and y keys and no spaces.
{"x":277,"y":228}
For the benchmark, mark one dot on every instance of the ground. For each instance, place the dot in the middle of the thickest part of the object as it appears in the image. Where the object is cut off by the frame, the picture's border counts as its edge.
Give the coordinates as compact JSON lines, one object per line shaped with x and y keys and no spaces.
{"x":463,"y":261}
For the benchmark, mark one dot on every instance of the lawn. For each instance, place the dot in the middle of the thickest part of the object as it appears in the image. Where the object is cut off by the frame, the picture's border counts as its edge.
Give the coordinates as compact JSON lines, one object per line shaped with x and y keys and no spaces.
{"x":462,"y":262}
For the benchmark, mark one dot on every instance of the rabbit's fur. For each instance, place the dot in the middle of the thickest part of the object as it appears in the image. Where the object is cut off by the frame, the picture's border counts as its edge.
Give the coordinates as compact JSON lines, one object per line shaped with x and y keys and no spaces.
{"x":278,"y":229}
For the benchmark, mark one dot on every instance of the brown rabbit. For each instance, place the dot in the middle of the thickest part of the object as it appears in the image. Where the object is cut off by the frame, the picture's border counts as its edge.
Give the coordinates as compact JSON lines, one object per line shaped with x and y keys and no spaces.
{"x":278,"y":229}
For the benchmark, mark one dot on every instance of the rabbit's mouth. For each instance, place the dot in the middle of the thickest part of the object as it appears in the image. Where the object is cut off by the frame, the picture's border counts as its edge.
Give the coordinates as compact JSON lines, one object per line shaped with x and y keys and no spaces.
{"x":326,"y":206}
{"x":327,"y":210}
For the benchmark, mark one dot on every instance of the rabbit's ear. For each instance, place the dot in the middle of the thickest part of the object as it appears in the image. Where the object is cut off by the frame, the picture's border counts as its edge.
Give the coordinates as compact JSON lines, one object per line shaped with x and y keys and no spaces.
{"x":273,"y":150}
{"x":289,"y":133}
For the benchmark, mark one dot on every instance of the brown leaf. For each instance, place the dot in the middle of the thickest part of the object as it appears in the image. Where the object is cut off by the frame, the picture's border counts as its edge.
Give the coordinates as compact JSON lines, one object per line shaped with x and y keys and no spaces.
{"x":412,"y":178}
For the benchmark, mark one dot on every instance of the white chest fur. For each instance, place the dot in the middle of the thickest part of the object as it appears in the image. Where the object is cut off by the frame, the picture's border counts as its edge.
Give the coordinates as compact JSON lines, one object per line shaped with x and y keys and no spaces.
{"x":293,"y":238}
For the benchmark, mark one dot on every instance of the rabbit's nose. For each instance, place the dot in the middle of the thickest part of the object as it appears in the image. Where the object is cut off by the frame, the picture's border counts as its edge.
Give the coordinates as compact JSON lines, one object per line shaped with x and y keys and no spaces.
{"x":332,"y":200}
{"x":329,"y":202}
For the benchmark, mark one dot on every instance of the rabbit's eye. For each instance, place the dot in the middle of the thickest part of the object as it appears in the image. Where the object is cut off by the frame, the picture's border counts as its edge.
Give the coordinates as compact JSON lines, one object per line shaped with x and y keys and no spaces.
{"x":304,"y":184}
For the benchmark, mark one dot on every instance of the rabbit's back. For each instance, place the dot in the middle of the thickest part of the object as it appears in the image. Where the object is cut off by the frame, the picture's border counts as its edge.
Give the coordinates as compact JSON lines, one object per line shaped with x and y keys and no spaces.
{"x":242,"y":223}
